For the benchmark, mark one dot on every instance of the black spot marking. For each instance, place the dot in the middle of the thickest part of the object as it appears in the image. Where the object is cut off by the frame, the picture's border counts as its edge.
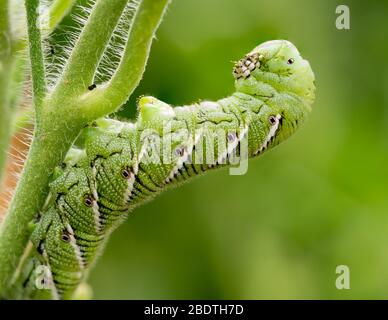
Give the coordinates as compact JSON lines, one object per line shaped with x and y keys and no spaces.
{"x":125,"y":173}
{"x":65,"y":237}
{"x":92,"y":87}
{"x":88,"y":201}
{"x":40,"y":247}
{"x":272,"y":120}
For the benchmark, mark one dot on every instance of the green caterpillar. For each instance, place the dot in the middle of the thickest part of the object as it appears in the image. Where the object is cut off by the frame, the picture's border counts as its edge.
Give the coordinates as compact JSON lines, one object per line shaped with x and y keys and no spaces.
{"x":118,"y":165}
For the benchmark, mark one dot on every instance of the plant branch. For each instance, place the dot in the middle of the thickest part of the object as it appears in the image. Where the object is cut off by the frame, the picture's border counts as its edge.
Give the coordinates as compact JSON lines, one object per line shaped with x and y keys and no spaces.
{"x":21,"y":118}
{"x":36,"y":53}
{"x":108,"y":98}
{"x":58,"y":10}
{"x":79,"y":71}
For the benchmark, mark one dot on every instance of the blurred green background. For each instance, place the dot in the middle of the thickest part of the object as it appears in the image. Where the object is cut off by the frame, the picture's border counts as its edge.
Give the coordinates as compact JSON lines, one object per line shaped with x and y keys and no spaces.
{"x":317,"y":201}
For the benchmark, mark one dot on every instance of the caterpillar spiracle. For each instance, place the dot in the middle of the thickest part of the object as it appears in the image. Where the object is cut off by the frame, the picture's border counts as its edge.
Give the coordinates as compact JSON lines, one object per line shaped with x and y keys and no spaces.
{"x":120,"y":165}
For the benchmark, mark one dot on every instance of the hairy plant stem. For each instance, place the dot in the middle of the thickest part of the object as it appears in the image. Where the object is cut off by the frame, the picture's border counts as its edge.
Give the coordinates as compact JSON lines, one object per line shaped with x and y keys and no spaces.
{"x":23,"y":117}
{"x":61,"y":115}
{"x":12,"y":73}
{"x":36,"y":53}
{"x":131,"y":68}
{"x":79,"y":71}
{"x":5,"y":61}
{"x":58,"y":10}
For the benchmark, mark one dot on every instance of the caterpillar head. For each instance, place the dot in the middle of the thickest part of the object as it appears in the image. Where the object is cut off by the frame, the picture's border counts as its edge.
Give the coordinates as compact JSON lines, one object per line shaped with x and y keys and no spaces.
{"x":275,"y":74}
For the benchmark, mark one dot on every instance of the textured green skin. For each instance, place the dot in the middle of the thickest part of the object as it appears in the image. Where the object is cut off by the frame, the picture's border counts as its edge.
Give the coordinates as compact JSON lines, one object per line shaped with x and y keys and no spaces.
{"x":107,"y":170}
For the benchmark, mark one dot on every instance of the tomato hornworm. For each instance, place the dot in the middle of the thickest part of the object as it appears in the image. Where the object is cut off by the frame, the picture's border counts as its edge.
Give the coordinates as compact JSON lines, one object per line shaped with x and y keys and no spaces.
{"x":115,"y":166}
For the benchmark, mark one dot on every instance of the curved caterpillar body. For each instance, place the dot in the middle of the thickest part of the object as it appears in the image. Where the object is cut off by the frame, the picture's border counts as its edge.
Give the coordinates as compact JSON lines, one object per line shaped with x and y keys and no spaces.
{"x":121,"y":165}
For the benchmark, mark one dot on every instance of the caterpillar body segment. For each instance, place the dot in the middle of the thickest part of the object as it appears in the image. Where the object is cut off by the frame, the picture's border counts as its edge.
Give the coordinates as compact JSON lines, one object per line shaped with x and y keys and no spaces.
{"x":121,"y":165}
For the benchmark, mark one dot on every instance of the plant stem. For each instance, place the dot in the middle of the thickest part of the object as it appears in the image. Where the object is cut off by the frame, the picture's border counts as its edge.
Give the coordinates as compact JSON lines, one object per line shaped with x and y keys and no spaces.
{"x":58,"y":10}
{"x":105,"y":100}
{"x":36,"y":53}
{"x":25,"y":116}
{"x":79,"y":72}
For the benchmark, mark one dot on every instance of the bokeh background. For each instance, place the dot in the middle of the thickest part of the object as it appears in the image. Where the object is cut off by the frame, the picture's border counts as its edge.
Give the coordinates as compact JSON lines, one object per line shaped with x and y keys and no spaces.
{"x":317,"y":201}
